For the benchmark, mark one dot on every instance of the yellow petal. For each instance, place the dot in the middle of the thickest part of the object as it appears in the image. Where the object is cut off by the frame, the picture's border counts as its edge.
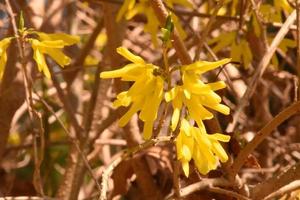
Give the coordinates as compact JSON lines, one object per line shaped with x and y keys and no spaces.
{"x":147,"y":132}
{"x":152,"y":25}
{"x":152,"y":103}
{"x":197,"y":111}
{"x":3,"y":59}
{"x":186,"y":153}
{"x":236,"y":52}
{"x":66,"y":38}
{"x":210,"y":98}
{"x":177,"y":104}
{"x":247,"y":54}
{"x":142,"y":87}
{"x":41,"y":63}
{"x":130,"y":56}
{"x":50,"y":44}
{"x":221,"y":108}
{"x":201,"y":162}
{"x":220,"y":137}
{"x":127,"y":5}
{"x":192,"y":84}
{"x":170,"y":95}
{"x":178,"y":142}
{"x":59,"y":57}
{"x":204,"y":66}
{"x":134,"y":11}
{"x":186,"y":168}
{"x":219,"y":151}
{"x":185,"y":127}
{"x":222,"y":41}
{"x":130,"y":72}
{"x":217,"y":85}
{"x":136,"y":106}
{"x":3,"y":55}
{"x":122,"y":100}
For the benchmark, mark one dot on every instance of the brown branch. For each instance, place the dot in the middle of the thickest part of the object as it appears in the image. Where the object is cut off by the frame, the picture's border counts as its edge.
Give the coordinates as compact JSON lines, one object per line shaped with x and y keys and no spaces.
{"x":285,"y":189}
{"x":35,"y":117}
{"x":83,"y":156}
{"x":182,"y":53}
{"x":263,"y":64}
{"x":261,"y":135}
{"x":298,"y":42}
{"x":227,"y":193}
{"x":124,"y":155}
{"x":207,"y":29}
{"x":202,"y":185}
{"x":67,"y":107}
{"x":270,"y":186}
{"x":179,"y":46}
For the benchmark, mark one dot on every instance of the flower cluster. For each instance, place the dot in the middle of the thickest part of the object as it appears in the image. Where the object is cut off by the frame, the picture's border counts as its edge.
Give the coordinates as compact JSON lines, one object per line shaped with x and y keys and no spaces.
{"x":147,"y":92}
{"x":131,"y":8}
{"x":42,"y":43}
{"x":205,"y":149}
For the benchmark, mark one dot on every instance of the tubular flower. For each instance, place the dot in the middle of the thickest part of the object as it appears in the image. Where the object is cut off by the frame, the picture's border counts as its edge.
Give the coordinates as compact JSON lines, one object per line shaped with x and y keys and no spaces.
{"x":205,"y":149}
{"x":131,"y":8}
{"x":240,"y":50}
{"x":195,"y":94}
{"x":52,"y":45}
{"x":3,"y":56}
{"x":146,"y":93}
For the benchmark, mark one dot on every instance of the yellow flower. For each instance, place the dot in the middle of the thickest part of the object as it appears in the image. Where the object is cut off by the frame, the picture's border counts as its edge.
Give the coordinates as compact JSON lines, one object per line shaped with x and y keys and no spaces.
{"x":195,"y":94}
{"x":145,"y":95}
{"x":205,"y":149}
{"x":52,"y":45}
{"x":185,"y":145}
{"x":240,"y":50}
{"x":131,"y":8}
{"x":3,"y":55}
{"x":283,"y":46}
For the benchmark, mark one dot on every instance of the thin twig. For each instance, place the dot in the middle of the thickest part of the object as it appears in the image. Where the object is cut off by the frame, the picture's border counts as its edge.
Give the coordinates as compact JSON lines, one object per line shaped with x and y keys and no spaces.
{"x":207,"y":29}
{"x":124,"y":155}
{"x":298,"y":42}
{"x":83,"y":156}
{"x":227,"y":193}
{"x":272,"y":185}
{"x":263,"y":64}
{"x":33,"y":114}
{"x":285,"y":189}
{"x":261,"y":135}
{"x":201,"y":185}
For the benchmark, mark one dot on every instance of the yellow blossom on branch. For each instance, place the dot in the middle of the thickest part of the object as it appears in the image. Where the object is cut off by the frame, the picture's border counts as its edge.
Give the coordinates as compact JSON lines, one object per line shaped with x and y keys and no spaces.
{"x":145,"y":94}
{"x":131,"y":8}
{"x":52,"y":45}
{"x":195,"y":94}
{"x":3,"y":55}
{"x":205,"y":149}
{"x":239,"y":47}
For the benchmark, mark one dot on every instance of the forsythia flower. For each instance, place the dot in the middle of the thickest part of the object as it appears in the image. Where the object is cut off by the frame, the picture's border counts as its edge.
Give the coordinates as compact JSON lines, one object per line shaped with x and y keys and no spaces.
{"x":52,"y":45}
{"x":3,"y":56}
{"x":239,"y":51}
{"x":145,"y":94}
{"x":130,"y":8}
{"x":205,"y":149}
{"x":195,"y":94}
